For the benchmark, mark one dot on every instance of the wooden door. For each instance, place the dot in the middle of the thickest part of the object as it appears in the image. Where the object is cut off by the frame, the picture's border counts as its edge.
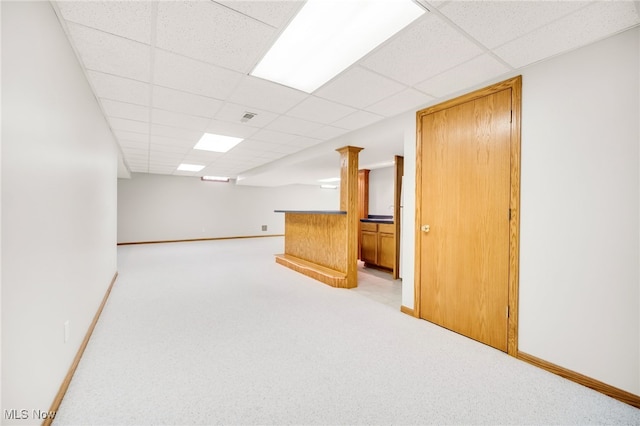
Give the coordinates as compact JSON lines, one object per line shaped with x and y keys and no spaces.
{"x":465,"y":202}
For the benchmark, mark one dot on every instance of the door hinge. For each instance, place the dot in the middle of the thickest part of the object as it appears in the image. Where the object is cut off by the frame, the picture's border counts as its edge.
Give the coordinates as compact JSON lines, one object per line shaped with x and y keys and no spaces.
{"x":511,"y":117}
{"x":509,"y":214}
{"x":507,"y":311}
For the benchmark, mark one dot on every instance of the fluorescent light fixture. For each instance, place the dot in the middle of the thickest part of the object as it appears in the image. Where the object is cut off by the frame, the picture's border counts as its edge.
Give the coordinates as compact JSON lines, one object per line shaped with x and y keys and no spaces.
{"x":215,"y":178}
{"x":327,"y":36}
{"x":217,"y":143}
{"x":190,"y":167}
{"x":335,"y":179}
{"x":329,"y":186}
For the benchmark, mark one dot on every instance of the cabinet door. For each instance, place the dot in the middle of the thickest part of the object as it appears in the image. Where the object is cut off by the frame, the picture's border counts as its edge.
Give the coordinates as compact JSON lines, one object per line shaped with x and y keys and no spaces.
{"x":370,"y":247}
{"x":386,"y":250}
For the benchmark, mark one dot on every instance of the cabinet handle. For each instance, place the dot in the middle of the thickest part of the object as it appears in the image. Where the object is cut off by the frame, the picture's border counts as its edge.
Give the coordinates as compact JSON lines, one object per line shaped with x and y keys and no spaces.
{"x":425,"y":228}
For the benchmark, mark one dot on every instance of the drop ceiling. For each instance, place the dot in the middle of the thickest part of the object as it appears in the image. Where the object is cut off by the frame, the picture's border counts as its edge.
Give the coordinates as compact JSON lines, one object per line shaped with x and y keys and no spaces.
{"x":165,"y":72}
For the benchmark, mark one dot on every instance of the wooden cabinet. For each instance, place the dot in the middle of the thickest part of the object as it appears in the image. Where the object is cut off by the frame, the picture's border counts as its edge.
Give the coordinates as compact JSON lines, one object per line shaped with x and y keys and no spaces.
{"x":378,"y":244}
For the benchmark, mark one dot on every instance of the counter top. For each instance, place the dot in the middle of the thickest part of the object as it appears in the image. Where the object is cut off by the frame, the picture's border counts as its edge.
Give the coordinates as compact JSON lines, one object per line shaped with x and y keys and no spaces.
{"x":372,"y":218}
{"x":389,"y":221}
{"x":312,"y":211}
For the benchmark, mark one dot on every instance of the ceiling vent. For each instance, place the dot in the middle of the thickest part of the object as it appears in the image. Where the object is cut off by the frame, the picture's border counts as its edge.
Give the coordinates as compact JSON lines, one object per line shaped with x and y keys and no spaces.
{"x":247,"y":116}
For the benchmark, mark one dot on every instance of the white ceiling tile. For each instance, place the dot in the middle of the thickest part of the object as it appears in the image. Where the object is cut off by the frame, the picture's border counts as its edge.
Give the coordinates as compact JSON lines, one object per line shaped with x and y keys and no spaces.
{"x":271,"y":156}
{"x":304,"y":142}
{"x":131,"y":136}
{"x":578,"y":29}
{"x":161,"y":170}
{"x":176,"y":133}
{"x":234,"y":113}
{"x":320,"y":110}
{"x":129,"y":125}
{"x":358,"y":119}
{"x":225,"y":128}
{"x":119,"y":89}
{"x":171,"y":149}
{"x":268,"y":147}
{"x":130,"y":19}
{"x":200,"y":157}
{"x":327,"y":132}
{"x":400,"y":102}
{"x":138,"y":168}
{"x":171,"y":142}
{"x":274,"y":13}
{"x":271,"y":136}
{"x":111,"y":54}
{"x":292,"y":125}
{"x":176,"y":119}
{"x":138,"y":152}
{"x":189,"y":75}
{"x":426,"y":48}
{"x":359,"y":87}
{"x":157,"y":155}
{"x":186,"y":103}
{"x":258,"y":93}
{"x":212,"y":33}
{"x":473,"y":72}
{"x":140,"y":146}
{"x":125,"y":110}
{"x":493,"y":23}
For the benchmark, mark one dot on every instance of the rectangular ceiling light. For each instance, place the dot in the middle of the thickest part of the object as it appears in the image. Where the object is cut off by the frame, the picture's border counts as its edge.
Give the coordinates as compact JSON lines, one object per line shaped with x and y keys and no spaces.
{"x":217,"y":143}
{"x":335,"y":179}
{"x":215,"y":178}
{"x":326,"y":37}
{"x":329,"y":186}
{"x":190,"y":167}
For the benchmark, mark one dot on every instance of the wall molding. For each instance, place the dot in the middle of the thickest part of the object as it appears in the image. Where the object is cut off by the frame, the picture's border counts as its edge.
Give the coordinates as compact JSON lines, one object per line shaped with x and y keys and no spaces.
{"x":408,"y":311}
{"x":612,"y":391}
{"x":67,"y":380}
{"x":198,"y":239}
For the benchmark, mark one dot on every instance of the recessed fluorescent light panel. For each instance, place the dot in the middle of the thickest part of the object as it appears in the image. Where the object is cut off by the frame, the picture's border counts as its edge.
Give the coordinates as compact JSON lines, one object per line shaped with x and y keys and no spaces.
{"x":336,"y":179}
{"x":327,"y":36}
{"x":329,"y":186}
{"x":215,"y":178}
{"x":190,"y":167}
{"x":217,"y":143}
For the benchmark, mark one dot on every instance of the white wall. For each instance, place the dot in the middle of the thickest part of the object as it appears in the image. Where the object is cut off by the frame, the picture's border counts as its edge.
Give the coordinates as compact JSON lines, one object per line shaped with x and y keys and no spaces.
{"x":58,"y":206}
{"x":579,"y":279}
{"x":164,"y":207}
{"x":579,"y":237}
{"x":381,"y":185}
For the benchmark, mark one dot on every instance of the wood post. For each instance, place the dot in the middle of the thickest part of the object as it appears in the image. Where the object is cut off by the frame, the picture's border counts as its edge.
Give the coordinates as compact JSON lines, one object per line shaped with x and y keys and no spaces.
{"x":349,"y":203}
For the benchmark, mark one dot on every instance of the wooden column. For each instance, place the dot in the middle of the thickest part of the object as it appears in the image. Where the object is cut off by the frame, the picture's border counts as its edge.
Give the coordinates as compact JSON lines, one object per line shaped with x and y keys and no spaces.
{"x":349,"y":203}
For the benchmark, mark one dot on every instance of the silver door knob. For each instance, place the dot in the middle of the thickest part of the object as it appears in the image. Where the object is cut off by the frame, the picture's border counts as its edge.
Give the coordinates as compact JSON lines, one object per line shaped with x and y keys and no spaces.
{"x":425,"y":228}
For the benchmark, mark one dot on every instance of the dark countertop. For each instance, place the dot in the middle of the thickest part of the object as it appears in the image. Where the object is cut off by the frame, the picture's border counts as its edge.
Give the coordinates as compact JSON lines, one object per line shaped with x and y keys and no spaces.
{"x":312,"y":211}
{"x":372,"y":218}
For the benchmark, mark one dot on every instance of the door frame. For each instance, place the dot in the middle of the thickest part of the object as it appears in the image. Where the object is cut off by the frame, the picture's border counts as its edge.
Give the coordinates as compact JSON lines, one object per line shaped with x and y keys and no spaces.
{"x":515,"y":84}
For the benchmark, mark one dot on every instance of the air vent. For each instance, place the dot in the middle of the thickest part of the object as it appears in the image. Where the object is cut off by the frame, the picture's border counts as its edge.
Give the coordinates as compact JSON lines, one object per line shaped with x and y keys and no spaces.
{"x":247,"y":116}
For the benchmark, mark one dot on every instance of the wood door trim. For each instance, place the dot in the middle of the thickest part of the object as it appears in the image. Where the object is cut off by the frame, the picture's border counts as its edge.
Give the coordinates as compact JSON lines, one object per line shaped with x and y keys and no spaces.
{"x":515,"y":84}
{"x":397,"y":213}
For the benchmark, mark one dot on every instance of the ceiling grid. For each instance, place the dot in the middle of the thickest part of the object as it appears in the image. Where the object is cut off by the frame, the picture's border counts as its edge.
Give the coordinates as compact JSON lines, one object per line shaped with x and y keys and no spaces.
{"x":165,"y":72}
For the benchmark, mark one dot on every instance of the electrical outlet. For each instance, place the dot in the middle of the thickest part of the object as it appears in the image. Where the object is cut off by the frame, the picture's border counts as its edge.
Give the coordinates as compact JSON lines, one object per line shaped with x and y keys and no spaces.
{"x":66,"y":331}
{"x":264,"y":227}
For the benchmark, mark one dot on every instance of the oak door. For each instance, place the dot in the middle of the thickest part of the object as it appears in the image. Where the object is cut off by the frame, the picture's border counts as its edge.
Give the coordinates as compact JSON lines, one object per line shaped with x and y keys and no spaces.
{"x":464,"y":218}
